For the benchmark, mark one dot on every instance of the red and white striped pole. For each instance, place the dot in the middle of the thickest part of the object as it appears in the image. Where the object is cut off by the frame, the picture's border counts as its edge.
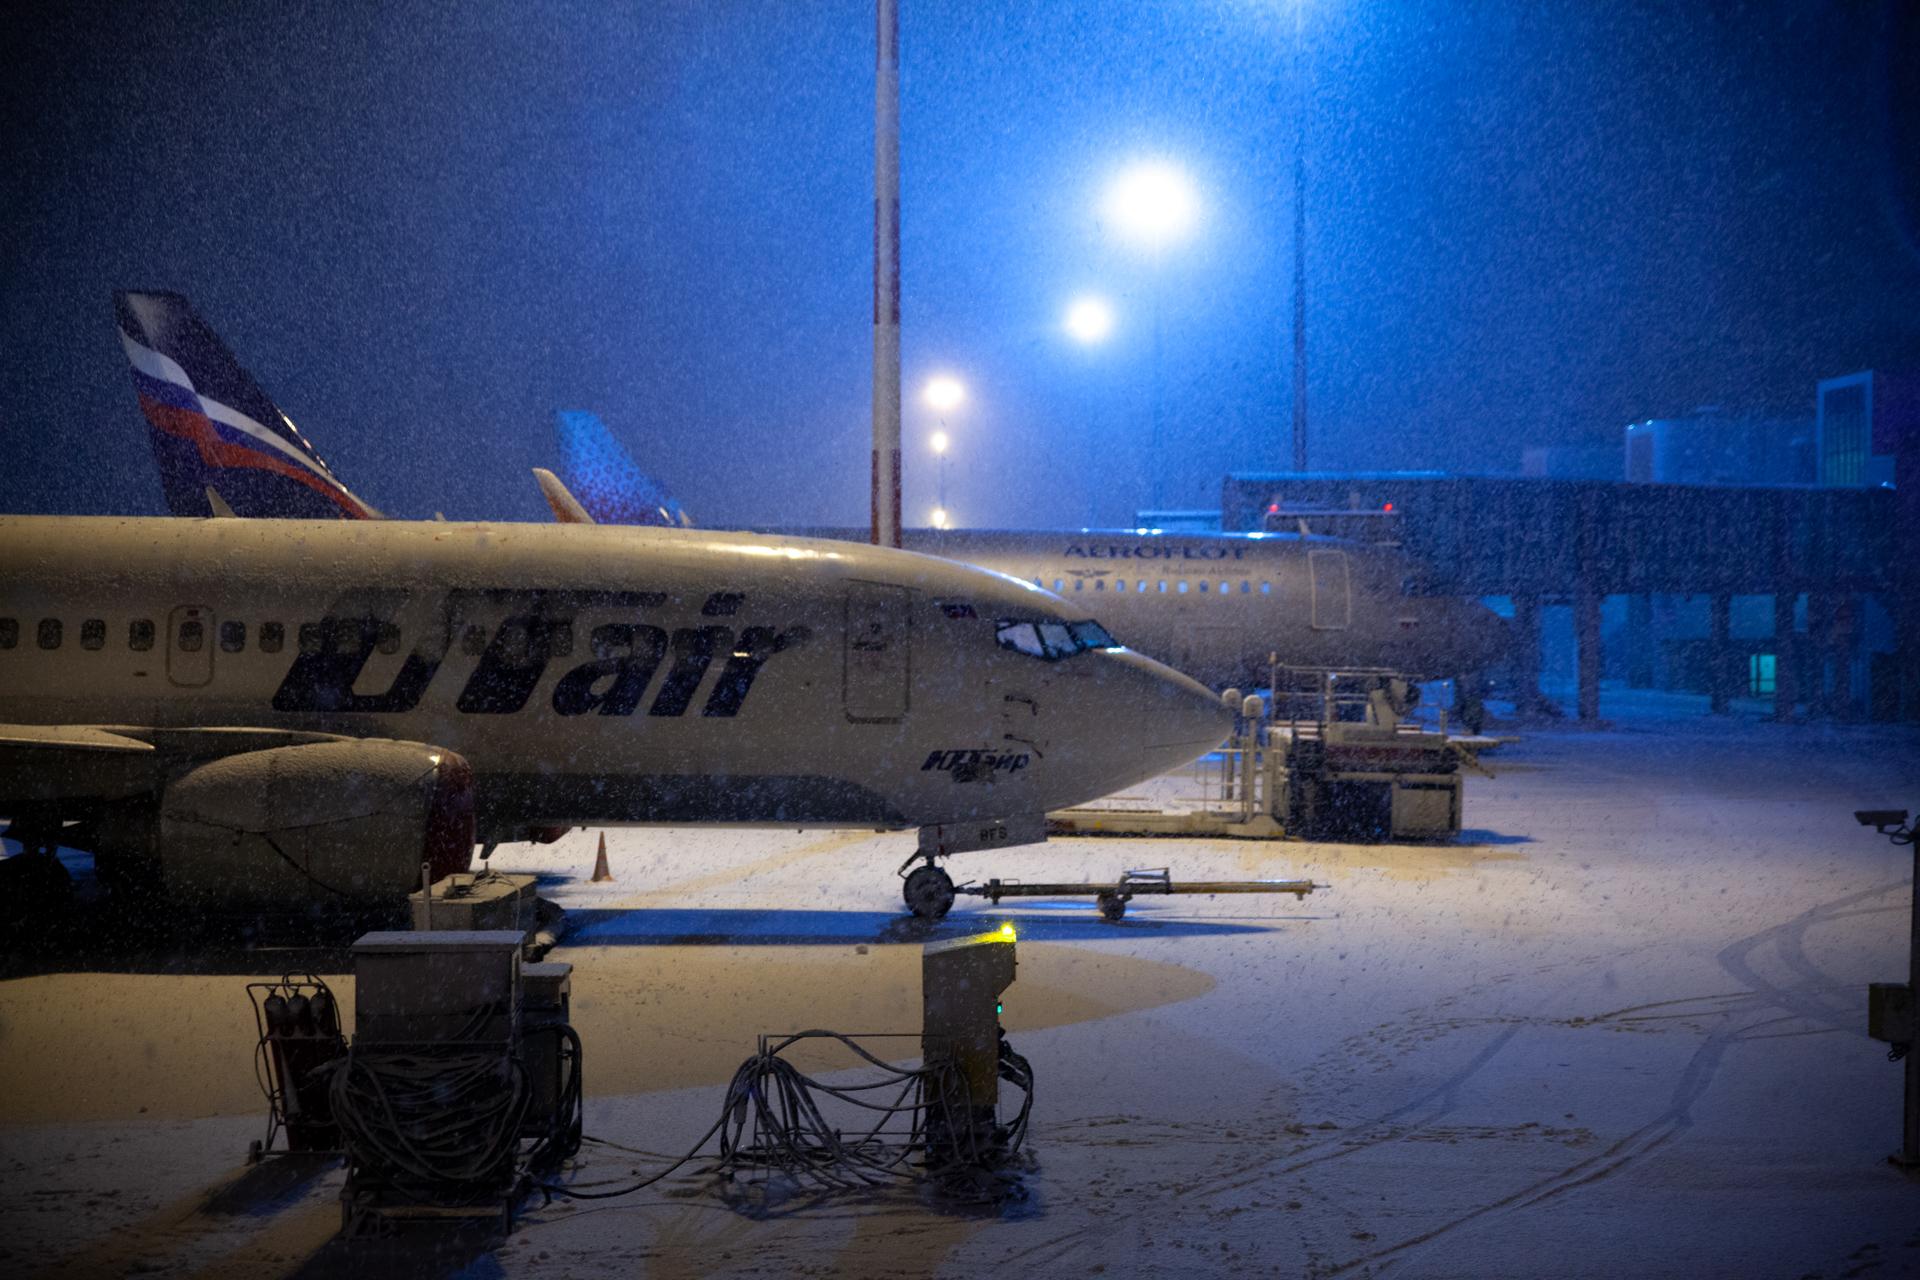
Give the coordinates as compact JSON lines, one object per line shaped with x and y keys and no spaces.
{"x":886,"y":279}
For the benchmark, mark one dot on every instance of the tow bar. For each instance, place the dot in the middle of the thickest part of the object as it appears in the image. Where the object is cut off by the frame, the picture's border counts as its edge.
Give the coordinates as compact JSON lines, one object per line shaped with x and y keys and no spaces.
{"x":1113,"y":899}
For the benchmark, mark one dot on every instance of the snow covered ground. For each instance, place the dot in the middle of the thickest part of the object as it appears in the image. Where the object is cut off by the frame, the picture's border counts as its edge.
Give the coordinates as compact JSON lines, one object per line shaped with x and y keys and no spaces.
{"x":1617,"y":1029}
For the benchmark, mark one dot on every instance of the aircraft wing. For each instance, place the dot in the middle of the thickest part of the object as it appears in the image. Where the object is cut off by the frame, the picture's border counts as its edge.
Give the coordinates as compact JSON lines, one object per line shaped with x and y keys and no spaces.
{"x":48,"y":763}
{"x":230,"y":814}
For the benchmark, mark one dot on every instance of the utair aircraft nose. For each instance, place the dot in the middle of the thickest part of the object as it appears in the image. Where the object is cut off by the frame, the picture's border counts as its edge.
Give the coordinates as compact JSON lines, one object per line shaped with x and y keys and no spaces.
{"x":1152,"y":719}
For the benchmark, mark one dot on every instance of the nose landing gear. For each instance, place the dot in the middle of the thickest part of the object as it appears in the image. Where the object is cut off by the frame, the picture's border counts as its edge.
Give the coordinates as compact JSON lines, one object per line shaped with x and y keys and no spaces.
{"x":928,"y":892}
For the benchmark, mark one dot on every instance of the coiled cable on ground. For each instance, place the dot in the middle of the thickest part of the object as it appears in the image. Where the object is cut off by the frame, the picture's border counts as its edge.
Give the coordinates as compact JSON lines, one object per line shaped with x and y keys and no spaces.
{"x":430,"y":1120}
{"x":774,"y":1120}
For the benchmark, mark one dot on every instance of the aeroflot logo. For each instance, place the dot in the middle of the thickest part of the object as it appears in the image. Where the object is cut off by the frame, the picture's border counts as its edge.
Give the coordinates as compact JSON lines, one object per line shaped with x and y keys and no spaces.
{"x":1151,"y":551}
{"x":516,"y":651}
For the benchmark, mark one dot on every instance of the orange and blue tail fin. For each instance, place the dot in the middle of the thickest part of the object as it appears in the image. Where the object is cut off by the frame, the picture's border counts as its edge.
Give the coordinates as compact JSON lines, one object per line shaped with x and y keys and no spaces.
{"x":212,"y":426}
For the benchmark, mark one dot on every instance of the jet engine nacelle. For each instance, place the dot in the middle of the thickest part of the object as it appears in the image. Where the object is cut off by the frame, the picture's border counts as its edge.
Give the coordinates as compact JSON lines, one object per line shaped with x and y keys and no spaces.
{"x":317,"y":824}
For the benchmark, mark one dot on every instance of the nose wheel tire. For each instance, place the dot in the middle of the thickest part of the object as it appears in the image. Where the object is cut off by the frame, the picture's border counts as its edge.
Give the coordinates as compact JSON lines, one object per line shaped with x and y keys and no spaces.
{"x":928,"y":892}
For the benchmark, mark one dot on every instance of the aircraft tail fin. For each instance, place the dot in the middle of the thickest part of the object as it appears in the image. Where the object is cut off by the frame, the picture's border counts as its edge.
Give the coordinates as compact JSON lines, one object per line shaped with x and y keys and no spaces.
{"x":566,"y":508}
{"x":608,"y":485}
{"x":209,"y":420}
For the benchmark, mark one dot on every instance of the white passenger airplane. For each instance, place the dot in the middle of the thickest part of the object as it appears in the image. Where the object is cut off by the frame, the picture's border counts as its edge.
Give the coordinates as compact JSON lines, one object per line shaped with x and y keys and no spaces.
{"x":245,"y":710}
{"x":254,"y":710}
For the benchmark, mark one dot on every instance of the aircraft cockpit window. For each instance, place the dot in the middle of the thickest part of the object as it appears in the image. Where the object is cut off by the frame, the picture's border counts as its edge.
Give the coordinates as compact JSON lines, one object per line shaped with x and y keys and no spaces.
{"x":93,"y":633}
{"x":233,"y":636}
{"x":9,"y":632}
{"x":140,"y":635}
{"x":273,"y":637}
{"x":49,"y":633}
{"x":1091,"y":635}
{"x":1057,"y":639}
{"x":1021,"y":638}
{"x":1054,"y":640}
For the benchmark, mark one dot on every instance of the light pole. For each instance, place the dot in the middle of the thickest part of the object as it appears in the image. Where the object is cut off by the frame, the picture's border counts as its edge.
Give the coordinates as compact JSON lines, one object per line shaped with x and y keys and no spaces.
{"x":885,"y":479}
{"x":1152,"y":205}
{"x":1299,"y":238}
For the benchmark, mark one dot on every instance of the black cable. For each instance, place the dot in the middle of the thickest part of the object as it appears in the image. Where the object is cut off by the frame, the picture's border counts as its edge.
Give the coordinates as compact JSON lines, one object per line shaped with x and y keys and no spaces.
{"x":429,"y":1119}
{"x":772,"y":1119}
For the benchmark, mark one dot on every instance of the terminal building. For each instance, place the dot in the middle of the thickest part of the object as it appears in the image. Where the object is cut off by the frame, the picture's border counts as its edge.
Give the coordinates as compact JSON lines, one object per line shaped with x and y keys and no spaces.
{"x":1738,"y":557}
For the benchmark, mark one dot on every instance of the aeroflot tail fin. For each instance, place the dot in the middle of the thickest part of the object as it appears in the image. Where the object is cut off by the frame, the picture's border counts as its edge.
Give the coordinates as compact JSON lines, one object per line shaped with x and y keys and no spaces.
{"x":602,"y":475}
{"x":210,"y":421}
{"x":566,"y":508}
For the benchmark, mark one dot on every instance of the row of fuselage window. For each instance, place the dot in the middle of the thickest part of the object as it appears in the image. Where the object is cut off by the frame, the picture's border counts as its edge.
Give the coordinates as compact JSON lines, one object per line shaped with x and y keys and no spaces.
{"x":142,"y":633}
{"x":341,"y":635}
{"x":192,"y":636}
{"x":1161,"y":586}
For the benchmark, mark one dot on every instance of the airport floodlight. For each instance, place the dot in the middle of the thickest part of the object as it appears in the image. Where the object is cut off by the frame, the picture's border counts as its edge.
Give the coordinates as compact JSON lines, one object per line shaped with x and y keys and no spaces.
{"x":1090,"y":320}
{"x":943,"y":393}
{"x":1152,"y":203}
{"x":939,"y":518}
{"x":939,"y":441}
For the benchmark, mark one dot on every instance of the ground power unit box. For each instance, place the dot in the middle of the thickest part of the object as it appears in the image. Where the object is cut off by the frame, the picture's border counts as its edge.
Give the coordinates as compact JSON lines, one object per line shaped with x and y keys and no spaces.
{"x":412,"y":988}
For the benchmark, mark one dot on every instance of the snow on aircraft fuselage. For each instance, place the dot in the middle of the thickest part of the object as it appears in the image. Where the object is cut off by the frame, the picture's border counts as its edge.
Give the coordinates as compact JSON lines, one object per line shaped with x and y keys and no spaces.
{"x":273,"y":709}
{"x":552,"y":675}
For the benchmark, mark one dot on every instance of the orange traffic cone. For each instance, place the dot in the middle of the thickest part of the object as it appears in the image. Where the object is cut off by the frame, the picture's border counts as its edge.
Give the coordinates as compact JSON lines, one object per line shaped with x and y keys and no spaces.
{"x":600,"y":872}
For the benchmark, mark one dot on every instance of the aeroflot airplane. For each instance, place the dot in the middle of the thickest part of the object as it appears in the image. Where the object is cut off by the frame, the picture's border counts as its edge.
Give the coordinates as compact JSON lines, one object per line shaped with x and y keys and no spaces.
{"x":1220,"y":607}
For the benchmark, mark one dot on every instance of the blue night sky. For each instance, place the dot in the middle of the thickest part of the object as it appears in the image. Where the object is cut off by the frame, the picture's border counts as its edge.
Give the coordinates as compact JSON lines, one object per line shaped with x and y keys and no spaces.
{"x":423,"y":228}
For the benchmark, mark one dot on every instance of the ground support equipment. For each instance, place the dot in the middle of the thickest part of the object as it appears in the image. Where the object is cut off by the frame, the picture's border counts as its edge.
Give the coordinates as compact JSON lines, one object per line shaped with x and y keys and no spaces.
{"x":1113,"y":899}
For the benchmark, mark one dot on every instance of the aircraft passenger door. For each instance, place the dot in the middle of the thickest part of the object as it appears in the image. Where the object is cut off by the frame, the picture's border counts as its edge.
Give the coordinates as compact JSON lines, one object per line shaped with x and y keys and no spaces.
{"x":877,"y":657}
{"x":190,"y":646}
{"x":1332,"y":590}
